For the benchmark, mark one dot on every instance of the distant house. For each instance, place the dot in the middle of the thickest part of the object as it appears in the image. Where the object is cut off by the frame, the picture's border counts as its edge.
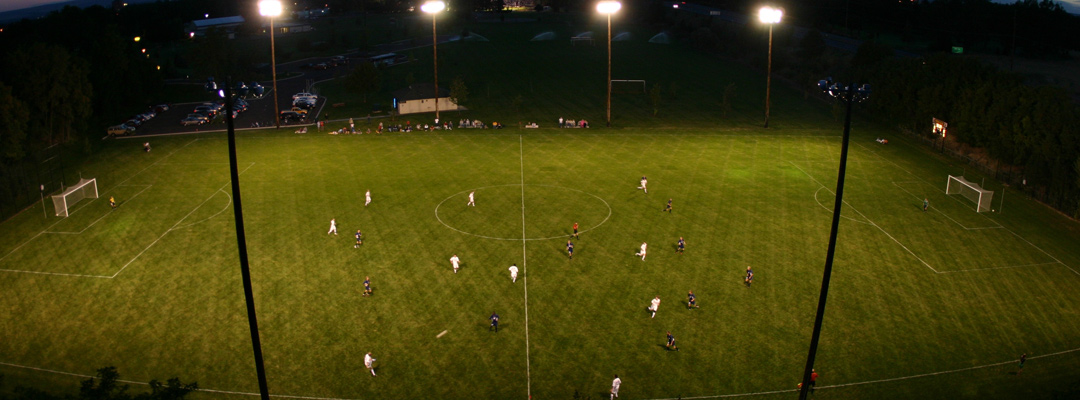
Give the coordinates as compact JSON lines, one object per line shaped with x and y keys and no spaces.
{"x":229,"y":25}
{"x":420,"y":98}
{"x":283,"y":27}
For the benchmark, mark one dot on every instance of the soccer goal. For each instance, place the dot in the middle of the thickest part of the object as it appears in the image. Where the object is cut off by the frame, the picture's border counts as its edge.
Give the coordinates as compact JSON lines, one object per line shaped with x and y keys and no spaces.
{"x":86,"y":188}
{"x":972,"y":191}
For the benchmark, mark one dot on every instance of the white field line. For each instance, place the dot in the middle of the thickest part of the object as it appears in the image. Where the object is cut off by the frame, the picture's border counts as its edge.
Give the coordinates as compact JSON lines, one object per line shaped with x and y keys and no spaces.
{"x":1003,"y":267}
{"x":878,"y":380}
{"x":873,"y":224}
{"x":1043,"y":251}
{"x":226,"y":207}
{"x":826,"y":188}
{"x":525,"y":267}
{"x":178,"y":223}
{"x":437,"y":217}
{"x":103,"y":215}
{"x":998,"y":226}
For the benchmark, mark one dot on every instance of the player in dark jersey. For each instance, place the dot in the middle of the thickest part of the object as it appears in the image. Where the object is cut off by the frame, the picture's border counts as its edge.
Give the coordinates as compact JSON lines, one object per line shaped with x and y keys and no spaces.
{"x":570,"y":249}
{"x":359,"y":239}
{"x":691,"y":300}
{"x":668,"y":208}
{"x":682,"y":245}
{"x":671,"y":342}
{"x":367,"y":286}
{"x":494,"y":322}
{"x":749,"y":276}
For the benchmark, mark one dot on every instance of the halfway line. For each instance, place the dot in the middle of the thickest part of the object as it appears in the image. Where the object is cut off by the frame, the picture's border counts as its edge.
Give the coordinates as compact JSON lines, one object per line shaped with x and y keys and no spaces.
{"x":525,"y":267}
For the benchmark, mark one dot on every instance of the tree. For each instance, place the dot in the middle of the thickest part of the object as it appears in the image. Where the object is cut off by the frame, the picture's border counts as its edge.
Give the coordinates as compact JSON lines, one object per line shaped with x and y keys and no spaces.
{"x":363,"y":80}
{"x":459,"y":93}
{"x":655,"y":96}
{"x":13,"y":117}
{"x":55,"y":88}
{"x":107,"y":386}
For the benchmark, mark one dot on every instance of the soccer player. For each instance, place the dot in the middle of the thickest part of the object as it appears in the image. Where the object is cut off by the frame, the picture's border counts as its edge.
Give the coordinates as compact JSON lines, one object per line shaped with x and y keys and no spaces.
{"x":642,"y":252}
{"x":471,"y":202}
{"x":749,"y":276}
{"x":575,"y":230}
{"x":925,"y":204}
{"x":668,"y":208}
{"x":367,"y":198}
{"x":691,"y":300}
{"x":654,"y":305}
{"x":615,"y":386}
{"x":369,"y":363}
{"x":333,"y":227}
{"x":671,"y":342}
{"x":513,"y":272}
{"x":454,"y":260}
{"x":682,"y":245}
{"x":1023,"y":358}
{"x":813,"y":379}
{"x":644,"y":181}
{"x":367,"y":286}
{"x":112,"y":202}
{"x":570,"y":249}
{"x":359,"y":239}
{"x":494,"y":322}
{"x":146,"y":146}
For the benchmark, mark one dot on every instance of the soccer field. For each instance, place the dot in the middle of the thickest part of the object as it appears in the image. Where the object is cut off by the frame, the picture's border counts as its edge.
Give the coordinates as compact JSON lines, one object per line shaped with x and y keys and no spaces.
{"x":933,"y":304}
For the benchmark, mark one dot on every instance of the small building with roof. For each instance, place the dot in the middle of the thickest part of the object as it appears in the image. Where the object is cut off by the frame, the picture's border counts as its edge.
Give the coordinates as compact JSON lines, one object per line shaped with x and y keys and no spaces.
{"x":229,"y":25}
{"x":420,"y":98}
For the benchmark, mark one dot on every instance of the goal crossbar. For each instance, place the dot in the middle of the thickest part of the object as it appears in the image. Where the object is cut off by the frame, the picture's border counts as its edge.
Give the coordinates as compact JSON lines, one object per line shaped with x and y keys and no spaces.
{"x":970,"y":190}
{"x":86,"y":188}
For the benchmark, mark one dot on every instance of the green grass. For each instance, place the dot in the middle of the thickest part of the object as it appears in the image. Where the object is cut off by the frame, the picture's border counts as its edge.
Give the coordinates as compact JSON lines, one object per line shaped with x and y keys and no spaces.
{"x":934,"y":304}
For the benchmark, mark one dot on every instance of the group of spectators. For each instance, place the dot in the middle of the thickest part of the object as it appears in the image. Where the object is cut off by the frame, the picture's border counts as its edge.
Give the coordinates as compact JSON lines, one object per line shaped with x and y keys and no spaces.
{"x":569,"y":123}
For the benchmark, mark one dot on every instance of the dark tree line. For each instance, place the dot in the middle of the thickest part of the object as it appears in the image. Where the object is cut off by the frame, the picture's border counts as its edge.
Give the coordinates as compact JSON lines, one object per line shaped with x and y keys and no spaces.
{"x":107,"y":386}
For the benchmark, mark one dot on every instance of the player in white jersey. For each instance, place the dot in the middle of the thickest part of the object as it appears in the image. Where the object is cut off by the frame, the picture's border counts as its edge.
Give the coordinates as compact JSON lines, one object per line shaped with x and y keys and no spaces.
{"x":615,"y":386}
{"x":454,"y":260}
{"x":654,"y":305}
{"x":333,"y":227}
{"x":471,"y":202}
{"x":642,"y":252}
{"x":367,"y":198}
{"x":644,"y":181}
{"x":369,"y":363}
{"x":513,"y":272}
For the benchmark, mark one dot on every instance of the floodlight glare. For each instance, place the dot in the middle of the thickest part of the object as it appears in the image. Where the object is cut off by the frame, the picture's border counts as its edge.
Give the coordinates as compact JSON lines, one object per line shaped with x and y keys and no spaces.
{"x":432,"y":7}
{"x":608,"y":7}
{"x":270,"y":8}
{"x":770,"y":15}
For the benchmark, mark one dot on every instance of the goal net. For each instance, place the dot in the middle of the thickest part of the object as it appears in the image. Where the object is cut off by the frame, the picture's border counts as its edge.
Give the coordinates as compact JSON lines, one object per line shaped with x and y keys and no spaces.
{"x":86,"y":188}
{"x":972,"y":191}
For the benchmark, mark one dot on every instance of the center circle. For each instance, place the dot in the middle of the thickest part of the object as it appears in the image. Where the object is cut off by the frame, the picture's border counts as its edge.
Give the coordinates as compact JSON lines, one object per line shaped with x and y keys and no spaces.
{"x":549,"y":212}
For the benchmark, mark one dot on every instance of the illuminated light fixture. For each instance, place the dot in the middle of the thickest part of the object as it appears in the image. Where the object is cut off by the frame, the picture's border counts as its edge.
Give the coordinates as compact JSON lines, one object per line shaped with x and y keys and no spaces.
{"x":770,"y":15}
{"x":138,"y":38}
{"x":608,"y":7}
{"x":432,"y":7}
{"x":270,"y":8}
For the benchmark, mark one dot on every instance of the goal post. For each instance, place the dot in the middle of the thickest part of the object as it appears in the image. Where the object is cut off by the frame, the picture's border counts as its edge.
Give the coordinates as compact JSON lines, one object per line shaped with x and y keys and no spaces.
{"x":970,"y":190}
{"x":85,"y":189}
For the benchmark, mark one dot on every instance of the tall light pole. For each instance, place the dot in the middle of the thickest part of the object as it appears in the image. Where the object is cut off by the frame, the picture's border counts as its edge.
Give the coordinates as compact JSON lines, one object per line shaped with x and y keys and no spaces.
{"x":847,"y":94}
{"x":770,"y":16}
{"x":272,"y":8}
{"x":608,"y":7}
{"x":433,"y":8}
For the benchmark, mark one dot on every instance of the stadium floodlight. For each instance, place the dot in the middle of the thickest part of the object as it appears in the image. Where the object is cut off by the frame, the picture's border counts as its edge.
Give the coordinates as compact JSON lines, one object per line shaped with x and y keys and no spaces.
{"x":433,"y":8}
{"x":849,"y":94}
{"x":241,"y":240}
{"x":85,"y":189}
{"x":770,"y":16}
{"x":272,"y":8}
{"x":608,"y":8}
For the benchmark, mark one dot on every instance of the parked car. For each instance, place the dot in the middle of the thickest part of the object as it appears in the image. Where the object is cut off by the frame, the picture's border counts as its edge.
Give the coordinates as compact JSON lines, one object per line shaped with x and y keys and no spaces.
{"x":299,"y":110}
{"x":120,"y":130}
{"x":321,"y":66}
{"x":339,"y":60}
{"x":133,"y":122}
{"x":160,"y":108}
{"x":287,"y":116}
{"x":304,"y":104}
{"x":192,"y":121}
{"x":208,"y":110}
{"x":302,"y":94}
{"x":200,"y":116}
